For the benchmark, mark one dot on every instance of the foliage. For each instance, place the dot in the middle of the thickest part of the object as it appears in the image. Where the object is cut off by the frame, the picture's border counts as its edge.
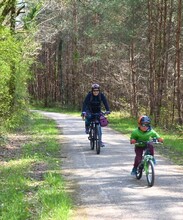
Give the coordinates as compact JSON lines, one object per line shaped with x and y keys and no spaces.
{"x":15,"y":61}
{"x":17,"y":52}
{"x":33,"y":8}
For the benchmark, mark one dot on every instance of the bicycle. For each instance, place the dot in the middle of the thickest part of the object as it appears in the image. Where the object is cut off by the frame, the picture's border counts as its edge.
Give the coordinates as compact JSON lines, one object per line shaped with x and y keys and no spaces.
{"x":147,"y":165}
{"x":95,"y":132}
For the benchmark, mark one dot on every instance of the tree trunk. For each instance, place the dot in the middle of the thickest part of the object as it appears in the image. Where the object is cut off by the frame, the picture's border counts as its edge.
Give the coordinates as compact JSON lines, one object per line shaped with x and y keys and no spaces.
{"x":60,"y":71}
{"x":178,"y":60}
{"x":134,"y":82}
{"x":151,"y":57}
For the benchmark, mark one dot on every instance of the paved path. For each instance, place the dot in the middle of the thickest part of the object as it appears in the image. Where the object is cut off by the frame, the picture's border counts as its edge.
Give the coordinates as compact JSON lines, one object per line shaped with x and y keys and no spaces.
{"x":102,"y":185}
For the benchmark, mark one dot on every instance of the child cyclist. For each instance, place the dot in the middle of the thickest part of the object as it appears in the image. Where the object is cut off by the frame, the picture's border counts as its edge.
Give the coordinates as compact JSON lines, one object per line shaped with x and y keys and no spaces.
{"x":143,"y":133}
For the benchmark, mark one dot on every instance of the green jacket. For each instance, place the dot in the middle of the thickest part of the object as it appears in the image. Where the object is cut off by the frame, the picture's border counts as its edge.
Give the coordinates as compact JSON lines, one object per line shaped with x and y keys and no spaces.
{"x":139,"y":135}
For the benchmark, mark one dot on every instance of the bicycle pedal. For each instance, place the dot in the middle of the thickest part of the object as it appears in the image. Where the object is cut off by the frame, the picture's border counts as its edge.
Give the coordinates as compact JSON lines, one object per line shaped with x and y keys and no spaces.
{"x":141,"y":166}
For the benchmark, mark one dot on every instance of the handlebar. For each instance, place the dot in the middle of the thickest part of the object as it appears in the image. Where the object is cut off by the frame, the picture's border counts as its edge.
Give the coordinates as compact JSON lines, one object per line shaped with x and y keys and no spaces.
{"x":101,"y":113}
{"x":96,"y":114}
{"x":153,"y":141}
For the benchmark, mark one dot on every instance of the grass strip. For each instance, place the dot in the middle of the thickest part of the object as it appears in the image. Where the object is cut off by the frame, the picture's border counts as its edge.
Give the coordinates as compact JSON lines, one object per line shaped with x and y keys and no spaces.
{"x":31,"y":184}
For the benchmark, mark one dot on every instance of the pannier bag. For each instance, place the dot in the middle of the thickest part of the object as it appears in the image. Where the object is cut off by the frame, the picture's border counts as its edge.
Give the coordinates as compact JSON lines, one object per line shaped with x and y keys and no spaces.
{"x":103,"y":121}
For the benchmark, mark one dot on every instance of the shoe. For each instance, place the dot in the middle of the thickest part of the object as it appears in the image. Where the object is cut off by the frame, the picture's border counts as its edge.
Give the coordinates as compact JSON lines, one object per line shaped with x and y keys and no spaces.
{"x":154,"y":161}
{"x":141,"y":167}
{"x":102,"y":144}
{"x":134,"y":171}
{"x":87,"y":130}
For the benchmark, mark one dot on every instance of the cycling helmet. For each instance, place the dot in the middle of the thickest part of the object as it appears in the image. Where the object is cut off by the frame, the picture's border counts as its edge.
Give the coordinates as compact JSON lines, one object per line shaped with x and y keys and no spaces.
{"x":144,"y":120}
{"x":95,"y":86}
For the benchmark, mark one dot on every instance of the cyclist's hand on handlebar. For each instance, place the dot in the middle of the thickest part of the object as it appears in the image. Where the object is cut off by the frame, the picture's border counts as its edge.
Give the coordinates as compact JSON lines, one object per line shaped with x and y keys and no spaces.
{"x":132,"y":141}
{"x":160,"y":140}
{"x":107,"y":112}
{"x":83,"y":114}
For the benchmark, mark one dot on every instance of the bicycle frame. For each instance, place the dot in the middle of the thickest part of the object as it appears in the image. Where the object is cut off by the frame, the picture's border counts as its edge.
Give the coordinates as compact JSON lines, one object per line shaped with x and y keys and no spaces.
{"x":147,"y":166}
{"x":145,"y":160}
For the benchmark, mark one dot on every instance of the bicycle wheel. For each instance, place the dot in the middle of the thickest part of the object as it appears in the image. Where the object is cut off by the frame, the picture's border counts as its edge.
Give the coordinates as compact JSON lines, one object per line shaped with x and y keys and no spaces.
{"x":139,"y":171}
{"x":92,"y":143}
{"x":150,"y":175}
{"x":98,"y":138}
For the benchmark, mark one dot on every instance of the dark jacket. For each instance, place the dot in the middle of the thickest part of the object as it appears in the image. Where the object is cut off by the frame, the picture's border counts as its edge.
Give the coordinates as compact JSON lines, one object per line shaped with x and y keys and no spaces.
{"x":93,"y":103}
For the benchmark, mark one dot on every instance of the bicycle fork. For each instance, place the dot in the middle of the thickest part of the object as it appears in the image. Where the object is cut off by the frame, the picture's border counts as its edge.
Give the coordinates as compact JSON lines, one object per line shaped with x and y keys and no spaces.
{"x":146,"y":159}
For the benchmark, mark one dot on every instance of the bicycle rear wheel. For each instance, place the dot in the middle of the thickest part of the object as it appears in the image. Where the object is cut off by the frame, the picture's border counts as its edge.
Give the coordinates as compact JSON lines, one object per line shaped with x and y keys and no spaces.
{"x":98,"y":138}
{"x":150,"y":175}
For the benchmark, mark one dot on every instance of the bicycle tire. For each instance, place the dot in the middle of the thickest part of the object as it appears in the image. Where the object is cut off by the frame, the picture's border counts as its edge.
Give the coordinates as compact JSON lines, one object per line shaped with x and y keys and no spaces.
{"x":139,"y":171}
{"x":92,"y":143}
{"x":98,"y":138}
{"x":150,"y":174}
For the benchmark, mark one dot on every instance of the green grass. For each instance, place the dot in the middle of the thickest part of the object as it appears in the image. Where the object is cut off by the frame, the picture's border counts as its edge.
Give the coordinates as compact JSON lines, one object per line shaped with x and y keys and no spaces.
{"x":31,"y":184}
{"x":122,"y":122}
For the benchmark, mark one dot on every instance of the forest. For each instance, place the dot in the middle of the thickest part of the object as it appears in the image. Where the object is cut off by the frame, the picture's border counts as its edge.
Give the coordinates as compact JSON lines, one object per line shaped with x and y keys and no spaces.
{"x":51,"y":51}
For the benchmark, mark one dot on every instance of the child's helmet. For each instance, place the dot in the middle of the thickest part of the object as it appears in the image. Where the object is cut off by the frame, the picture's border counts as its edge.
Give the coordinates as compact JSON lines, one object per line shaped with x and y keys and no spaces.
{"x":144,"y":120}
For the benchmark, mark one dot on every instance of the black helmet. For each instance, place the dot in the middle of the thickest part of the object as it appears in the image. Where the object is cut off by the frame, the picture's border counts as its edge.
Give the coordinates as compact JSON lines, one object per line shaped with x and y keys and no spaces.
{"x":144,"y":119}
{"x":95,"y":86}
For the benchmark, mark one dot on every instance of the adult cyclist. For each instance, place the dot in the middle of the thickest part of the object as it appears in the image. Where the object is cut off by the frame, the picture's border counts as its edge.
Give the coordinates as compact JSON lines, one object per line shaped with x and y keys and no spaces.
{"x":92,"y":104}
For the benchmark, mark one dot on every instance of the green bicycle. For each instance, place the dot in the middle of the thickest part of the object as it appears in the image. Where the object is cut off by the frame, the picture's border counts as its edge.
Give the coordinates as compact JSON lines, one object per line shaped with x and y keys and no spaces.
{"x":147,"y":165}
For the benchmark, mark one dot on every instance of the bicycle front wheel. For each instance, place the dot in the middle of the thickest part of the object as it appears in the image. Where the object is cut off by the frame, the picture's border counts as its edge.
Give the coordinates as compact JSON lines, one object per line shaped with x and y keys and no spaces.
{"x":150,"y":175}
{"x":98,"y":138}
{"x":92,"y":142}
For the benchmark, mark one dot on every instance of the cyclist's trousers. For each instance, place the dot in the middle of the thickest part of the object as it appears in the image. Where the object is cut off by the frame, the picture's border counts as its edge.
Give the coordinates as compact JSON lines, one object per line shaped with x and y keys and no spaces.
{"x":88,"y":119}
{"x":139,"y":153}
